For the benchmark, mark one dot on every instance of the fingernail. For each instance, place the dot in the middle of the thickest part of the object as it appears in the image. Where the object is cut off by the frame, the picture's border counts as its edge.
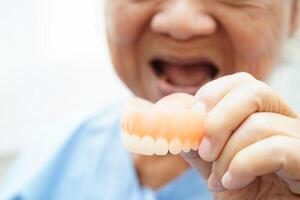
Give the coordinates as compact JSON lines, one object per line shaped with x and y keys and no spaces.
{"x":205,"y":149}
{"x":227,"y":180}
{"x":214,"y":184}
{"x":199,"y":107}
{"x":231,"y":183}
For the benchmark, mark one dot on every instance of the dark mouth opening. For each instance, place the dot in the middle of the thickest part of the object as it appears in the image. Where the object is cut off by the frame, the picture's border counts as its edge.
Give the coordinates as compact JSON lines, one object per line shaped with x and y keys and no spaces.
{"x":158,"y":66}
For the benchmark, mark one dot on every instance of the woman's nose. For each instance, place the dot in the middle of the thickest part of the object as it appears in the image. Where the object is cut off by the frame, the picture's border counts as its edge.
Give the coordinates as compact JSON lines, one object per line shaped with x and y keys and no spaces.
{"x":183,"y":20}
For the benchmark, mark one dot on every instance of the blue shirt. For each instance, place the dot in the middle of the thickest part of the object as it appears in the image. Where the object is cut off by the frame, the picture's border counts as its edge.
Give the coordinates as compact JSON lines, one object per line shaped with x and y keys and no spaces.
{"x":88,"y":162}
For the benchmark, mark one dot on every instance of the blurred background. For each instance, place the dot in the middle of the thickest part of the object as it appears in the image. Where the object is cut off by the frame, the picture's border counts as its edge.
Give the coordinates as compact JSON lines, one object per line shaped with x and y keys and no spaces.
{"x":54,"y":62}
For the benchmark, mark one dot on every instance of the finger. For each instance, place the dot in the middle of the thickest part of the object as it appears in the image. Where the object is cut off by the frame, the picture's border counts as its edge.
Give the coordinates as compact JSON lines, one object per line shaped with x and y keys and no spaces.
{"x":240,"y":102}
{"x":211,"y":93}
{"x":203,"y":167}
{"x":257,"y":127}
{"x":267,"y":156}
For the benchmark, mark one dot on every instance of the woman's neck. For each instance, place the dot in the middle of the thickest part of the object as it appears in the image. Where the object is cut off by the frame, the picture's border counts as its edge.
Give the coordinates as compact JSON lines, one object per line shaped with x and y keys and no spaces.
{"x":156,"y":171}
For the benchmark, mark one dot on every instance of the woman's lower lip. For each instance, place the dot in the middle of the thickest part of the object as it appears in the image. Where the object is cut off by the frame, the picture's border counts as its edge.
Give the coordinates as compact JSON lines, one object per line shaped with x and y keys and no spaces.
{"x":167,"y":88}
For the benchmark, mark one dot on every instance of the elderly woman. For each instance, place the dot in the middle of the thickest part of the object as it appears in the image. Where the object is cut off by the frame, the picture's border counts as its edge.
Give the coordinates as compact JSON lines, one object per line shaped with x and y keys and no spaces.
{"x":218,"y":50}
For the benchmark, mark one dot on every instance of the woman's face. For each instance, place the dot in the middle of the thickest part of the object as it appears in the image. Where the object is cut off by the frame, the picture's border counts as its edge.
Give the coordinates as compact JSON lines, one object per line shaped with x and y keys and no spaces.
{"x":163,"y":46}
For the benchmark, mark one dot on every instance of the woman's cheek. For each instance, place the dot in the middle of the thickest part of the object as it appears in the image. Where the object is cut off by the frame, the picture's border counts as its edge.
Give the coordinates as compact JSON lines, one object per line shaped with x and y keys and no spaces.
{"x":255,"y":48}
{"x":251,"y":35}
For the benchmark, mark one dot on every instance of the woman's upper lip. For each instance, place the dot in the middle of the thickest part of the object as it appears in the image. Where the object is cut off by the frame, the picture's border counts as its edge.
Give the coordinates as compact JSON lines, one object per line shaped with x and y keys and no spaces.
{"x":180,"y":60}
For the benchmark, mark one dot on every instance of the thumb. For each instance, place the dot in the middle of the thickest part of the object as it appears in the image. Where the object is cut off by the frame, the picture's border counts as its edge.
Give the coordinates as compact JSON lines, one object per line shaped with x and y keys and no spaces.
{"x":203,"y":167}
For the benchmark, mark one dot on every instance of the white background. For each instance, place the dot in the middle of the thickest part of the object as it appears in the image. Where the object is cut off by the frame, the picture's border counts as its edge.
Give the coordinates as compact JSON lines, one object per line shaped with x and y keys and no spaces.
{"x":54,"y":61}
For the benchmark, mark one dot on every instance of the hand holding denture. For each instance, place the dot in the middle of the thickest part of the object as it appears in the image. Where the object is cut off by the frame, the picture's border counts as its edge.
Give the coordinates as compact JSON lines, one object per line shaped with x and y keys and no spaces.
{"x":246,"y":135}
{"x":251,"y":140}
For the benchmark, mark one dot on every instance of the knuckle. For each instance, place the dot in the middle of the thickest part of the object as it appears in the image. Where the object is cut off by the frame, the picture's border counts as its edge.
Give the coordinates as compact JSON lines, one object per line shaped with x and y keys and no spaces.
{"x":256,"y":88}
{"x":257,"y":93}
{"x":255,"y":127}
{"x":278,"y":147}
{"x":256,"y":122}
{"x":260,"y":87}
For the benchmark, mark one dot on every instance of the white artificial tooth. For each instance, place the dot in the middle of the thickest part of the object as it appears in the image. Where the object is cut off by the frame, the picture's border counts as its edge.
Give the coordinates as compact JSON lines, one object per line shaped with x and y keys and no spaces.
{"x":126,"y":140}
{"x":175,"y":146}
{"x":147,"y":146}
{"x":195,"y":146}
{"x":186,"y":147}
{"x":135,"y":144}
{"x":161,"y":147}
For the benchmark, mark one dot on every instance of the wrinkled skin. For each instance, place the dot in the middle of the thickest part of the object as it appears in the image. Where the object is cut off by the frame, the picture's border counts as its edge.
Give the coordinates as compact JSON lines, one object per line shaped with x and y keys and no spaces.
{"x":237,"y":35}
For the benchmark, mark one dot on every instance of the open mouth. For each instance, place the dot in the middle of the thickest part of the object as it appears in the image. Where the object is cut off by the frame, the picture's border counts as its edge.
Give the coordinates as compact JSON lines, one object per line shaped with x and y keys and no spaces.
{"x":183,"y":75}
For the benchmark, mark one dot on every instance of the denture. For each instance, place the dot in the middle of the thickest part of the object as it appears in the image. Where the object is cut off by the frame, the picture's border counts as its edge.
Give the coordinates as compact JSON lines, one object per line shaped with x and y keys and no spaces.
{"x":171,"y":125}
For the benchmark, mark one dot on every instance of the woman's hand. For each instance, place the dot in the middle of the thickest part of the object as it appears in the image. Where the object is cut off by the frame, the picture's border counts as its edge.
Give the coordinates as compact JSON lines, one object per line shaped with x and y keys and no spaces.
{"x":251,"y":148}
